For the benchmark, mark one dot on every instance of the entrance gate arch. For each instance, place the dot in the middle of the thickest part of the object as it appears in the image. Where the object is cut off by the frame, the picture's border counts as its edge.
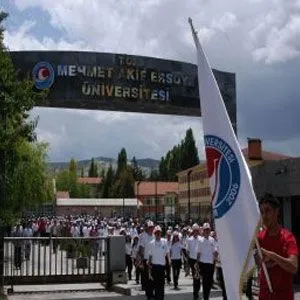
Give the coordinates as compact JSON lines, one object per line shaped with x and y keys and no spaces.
{"x":115,"y":82}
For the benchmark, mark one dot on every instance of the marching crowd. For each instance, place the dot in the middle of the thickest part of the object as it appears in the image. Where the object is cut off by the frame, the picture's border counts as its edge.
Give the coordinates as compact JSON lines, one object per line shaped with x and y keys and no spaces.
{"x":155,"y":259}
{"x":193,"y":247}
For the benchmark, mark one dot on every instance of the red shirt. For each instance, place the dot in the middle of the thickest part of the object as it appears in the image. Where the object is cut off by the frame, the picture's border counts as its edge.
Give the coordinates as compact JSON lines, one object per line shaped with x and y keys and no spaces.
{"x":284,"y":244}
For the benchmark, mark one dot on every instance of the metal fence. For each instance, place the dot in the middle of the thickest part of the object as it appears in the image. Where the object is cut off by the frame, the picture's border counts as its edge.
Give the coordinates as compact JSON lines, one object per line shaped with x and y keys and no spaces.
{"x":36,"y":260}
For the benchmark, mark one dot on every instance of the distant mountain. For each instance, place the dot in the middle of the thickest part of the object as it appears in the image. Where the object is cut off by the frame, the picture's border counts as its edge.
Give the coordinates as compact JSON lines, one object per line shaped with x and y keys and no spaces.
{"x":147,"y":164}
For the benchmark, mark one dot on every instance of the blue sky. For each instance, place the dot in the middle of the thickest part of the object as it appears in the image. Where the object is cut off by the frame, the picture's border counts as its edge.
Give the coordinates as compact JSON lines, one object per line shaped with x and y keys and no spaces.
{"x":261,"y":44}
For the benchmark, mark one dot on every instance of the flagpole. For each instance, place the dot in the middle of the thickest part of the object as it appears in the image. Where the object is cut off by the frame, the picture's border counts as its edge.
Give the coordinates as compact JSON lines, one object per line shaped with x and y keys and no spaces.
{"x":256,"y":240}
{"x":264,"y":265}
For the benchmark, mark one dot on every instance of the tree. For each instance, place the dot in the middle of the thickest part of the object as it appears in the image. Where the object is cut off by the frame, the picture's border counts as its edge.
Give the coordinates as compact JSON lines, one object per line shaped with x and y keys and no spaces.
{"x":17,"y":98}
{"x":124,"y":185}
{"x":122,"y":161}
{"x":108,"y":183}
{"x":67,"y":180}
{"x":181,"y":157}
{"x":154,"y":175}
{"x":73,"y":184}
{"x":93,"y":171}
{"x":136,"y":170}
{"x":190,"y":157}
{"x":30,"y":185}
{"x":163,"y":169}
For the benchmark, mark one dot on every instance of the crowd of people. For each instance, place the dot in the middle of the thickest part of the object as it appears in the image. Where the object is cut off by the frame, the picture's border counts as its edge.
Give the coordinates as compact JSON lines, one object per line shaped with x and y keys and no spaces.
{"x":157,"y":256}
{"x":154,"y":259}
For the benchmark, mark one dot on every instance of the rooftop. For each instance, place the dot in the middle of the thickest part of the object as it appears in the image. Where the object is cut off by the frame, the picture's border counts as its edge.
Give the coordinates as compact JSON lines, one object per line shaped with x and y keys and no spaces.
{"x":267,"y":155}
{"x":97,"y":202}
{"x":90,"y":180}
{"x":145,"y":188}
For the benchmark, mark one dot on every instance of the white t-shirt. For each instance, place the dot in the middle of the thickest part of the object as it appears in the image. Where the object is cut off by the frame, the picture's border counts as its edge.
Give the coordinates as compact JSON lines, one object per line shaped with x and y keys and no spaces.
{"x":128,"y":249}
{"x":192,"y":246}
{"x":144,"y":241}
{"x":207,"y":247}
{"x":158,"y":251}
{"x":175,"y":251}
{"x":134,"y":251}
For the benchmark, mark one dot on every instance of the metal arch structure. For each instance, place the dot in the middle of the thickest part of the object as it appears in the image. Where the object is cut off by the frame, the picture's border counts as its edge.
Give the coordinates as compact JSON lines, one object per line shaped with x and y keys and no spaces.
{"x":120,"y":82}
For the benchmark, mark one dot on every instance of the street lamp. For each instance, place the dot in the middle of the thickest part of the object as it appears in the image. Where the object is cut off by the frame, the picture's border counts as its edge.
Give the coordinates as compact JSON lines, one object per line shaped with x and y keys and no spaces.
{"x":123,"y":207}
{"x":137,"y":196}
{"x":189,"y":194}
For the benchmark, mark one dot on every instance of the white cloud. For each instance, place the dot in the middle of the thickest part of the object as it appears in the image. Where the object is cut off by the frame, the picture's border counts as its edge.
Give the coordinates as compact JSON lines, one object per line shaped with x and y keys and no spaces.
{"x":227,"y":21}
{"x":22,"y":39}
{"x":275,"y":36}
{"x":235,"y":34}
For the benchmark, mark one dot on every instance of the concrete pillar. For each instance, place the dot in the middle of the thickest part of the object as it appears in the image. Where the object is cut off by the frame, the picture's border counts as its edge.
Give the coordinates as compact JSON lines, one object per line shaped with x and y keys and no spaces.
{"x":116,"y":260}
{"x":287,"y":212}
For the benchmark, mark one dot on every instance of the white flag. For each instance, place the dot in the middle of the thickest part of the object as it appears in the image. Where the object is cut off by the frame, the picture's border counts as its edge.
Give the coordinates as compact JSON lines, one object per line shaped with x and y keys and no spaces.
{"x":235,"y":207}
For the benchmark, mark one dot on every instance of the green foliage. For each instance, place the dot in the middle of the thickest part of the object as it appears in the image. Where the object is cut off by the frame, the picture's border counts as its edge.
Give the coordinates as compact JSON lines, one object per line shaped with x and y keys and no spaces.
{"x":154,"y":176}
{"x":189,"y":151}
{"x":181,"y":157}
{"x":124,"y":185}
{"x":17,"y":150}
{"x":122,"y":161}
{"x":107,"y":191}
{"x":67,"y":181}
{"x":30,"y":185}
{"x":136,"y":170}
{"x":93,"y":171}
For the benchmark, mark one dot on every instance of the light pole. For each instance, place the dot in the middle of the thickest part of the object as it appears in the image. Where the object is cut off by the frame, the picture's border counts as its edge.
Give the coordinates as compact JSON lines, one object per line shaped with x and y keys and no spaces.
{"x":123,"y":206}
{"x":189,"y":194}
{"x":138,"y":200}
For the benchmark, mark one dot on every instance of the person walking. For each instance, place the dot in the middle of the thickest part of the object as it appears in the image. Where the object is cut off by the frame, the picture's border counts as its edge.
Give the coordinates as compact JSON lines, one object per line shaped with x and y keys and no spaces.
{"x":136,"y":259}
{"x":176,"y":257}
{"x":193,"y":254}
{"x":208,"y":254}
{"x":158,"y":252}
{"x":128,"y":253}
{"x":143,"y":251}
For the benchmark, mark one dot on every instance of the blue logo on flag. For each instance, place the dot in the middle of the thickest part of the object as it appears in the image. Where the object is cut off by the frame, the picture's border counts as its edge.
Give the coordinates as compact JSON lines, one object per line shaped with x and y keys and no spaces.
{"x":224,"y":174}
{"x":43,"y":75}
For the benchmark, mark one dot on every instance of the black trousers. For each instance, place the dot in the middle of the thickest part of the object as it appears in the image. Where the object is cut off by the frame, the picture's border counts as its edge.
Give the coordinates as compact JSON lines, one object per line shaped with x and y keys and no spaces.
{"x":196,"y":282}
{"x":207,"y":272}
{"x":220,"y":278}
{"x":129,"y":265}
{"x":168,"y":272}
{"x":158,"y":274}
{"x":176,"y":265}
{"x":137,"y":272}
{"x":147,"y":283}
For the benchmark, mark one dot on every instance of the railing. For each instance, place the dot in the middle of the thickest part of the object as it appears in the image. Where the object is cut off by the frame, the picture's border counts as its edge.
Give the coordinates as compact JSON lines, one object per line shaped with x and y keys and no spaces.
{"x":29,"y":260}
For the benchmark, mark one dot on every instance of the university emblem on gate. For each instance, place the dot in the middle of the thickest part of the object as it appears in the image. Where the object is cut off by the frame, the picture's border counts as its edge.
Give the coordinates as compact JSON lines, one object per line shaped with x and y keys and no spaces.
{"x":224,"y":174}
{"x":43,"y":75}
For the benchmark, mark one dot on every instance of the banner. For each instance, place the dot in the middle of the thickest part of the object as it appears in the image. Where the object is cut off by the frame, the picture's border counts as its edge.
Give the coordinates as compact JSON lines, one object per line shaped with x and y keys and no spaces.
{"x":235,"y":208}
{"x":119,"y":82}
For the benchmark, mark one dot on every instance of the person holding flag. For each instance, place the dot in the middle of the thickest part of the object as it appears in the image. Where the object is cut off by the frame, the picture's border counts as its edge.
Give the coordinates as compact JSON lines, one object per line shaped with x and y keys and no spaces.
{"x":280,"y":253}
{"x":235,"y":208}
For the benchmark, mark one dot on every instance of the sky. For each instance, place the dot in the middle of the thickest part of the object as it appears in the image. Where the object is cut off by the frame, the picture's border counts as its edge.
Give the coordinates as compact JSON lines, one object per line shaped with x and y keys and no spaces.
{"x":259,"y":40}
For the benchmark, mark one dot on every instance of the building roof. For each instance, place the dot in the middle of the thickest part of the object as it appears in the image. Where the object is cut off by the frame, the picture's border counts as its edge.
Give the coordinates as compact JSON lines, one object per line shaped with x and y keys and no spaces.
{"x":90,"y":180}
{"x":199,"y":167}
{"x":266,"y":155}
{"x":97,"y":202}
{"x":145,"y":188}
